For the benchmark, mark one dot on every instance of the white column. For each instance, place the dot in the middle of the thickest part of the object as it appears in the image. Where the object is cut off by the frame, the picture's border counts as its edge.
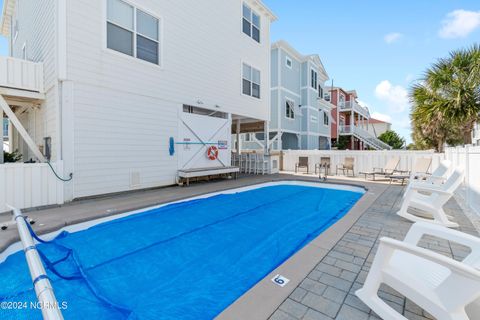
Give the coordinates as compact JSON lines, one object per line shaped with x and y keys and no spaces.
{"x":266,"y":136}
{"x":238,"y":137}
{"x":279,"y":140}
{"x":65,"y":145}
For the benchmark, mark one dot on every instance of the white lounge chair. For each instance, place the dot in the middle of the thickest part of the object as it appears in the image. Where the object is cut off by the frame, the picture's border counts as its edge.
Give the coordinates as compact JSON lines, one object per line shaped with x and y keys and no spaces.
{"x":443,"y":287}
{"x":437,"y":176}
{"x":421,"y":167}
{"x":389,"y":169}
{"x":430,"y":199}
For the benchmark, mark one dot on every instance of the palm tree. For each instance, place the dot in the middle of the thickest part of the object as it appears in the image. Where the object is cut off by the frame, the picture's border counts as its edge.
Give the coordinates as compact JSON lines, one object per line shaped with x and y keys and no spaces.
{"x":430,"y":128}
{"x":448,"y":98}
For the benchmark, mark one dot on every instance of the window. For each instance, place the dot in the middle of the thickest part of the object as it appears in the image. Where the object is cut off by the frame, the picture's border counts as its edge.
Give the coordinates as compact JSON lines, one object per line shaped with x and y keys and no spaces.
{"x":320,"y":92}
{"x":251,"y":81}
{"x":132,"y":31}
{"x":325,"y":118}
{"x":313,"y":80}
{"x":248,"y":137}
{"x":5,"y":127}
{"x":289,"y":111}
{"x":288,"y":62}
{"x":251,"y":23}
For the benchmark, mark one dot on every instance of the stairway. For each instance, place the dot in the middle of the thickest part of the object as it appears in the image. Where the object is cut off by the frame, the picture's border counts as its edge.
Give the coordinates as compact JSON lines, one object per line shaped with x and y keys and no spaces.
{"x":369,"y":139}
{"x":365,"y":136}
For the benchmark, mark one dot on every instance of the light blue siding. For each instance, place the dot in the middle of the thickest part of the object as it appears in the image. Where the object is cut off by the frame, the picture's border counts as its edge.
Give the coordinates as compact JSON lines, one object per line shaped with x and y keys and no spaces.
{"x":294,"y":83}
{"x":274,"y":67}
{"x":290,"y":77}
{"x":287,"y":123}
{"x":274,"y":111}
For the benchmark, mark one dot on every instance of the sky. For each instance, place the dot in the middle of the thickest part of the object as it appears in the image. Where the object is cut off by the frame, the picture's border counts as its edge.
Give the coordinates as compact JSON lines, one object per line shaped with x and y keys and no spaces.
{"x":379,"y":48}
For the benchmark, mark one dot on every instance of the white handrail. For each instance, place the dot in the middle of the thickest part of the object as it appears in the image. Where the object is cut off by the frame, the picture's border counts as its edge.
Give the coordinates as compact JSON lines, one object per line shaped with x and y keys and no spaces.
{"x":43,"y":288}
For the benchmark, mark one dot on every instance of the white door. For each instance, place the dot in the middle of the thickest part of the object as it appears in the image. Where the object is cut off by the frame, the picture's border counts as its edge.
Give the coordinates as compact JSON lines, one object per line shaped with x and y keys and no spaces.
{"x":198,"y":133}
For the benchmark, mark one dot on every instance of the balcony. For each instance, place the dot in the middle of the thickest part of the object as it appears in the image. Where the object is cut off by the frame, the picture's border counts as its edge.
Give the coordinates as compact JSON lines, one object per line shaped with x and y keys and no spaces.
{"x":21,"y":79}
{"x":349,"y":106}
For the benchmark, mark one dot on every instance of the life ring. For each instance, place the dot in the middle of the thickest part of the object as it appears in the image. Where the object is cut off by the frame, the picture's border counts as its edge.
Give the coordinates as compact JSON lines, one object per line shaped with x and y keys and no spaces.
{"x":212,"y":153}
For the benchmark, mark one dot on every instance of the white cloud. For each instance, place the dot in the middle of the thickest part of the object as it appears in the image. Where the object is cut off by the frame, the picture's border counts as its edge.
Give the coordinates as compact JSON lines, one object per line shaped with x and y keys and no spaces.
{"x":395,"y":96}
{"x":392,"y":37}
{"x":381,"y":117}
{"x":459,"y":24}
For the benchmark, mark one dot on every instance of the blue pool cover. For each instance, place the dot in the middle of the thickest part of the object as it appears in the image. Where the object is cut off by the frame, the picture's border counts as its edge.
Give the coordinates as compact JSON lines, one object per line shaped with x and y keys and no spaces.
{"x":187,"y":260}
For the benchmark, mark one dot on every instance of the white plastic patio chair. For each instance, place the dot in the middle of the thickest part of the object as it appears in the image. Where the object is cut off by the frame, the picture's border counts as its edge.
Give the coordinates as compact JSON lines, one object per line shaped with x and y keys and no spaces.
{"x":437,"y":176}
{"x":430,"y":199}
{"x":389,"y":169}
{"x":421,"y":167}
{"x":441,"y":286}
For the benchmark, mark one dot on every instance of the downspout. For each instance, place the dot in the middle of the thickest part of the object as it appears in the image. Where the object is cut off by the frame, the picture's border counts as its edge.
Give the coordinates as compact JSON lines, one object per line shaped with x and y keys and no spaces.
{"x":61,"y":55}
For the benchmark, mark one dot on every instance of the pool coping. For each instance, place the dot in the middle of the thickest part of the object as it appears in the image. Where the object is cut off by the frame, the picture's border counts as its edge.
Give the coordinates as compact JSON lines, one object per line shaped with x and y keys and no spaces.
{"x":261,"y":301}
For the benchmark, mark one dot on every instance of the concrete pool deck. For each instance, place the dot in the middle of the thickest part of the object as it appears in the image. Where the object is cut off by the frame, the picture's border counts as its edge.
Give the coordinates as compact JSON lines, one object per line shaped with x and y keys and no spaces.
{"x":323,"y":275}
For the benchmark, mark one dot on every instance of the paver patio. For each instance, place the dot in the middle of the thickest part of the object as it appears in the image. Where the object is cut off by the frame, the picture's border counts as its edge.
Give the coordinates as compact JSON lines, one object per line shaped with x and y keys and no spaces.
{"x":328,"y":291}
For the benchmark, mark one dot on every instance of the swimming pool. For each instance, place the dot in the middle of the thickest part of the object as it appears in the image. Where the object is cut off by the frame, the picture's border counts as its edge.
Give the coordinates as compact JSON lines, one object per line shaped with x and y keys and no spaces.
{"x":185,"y":260}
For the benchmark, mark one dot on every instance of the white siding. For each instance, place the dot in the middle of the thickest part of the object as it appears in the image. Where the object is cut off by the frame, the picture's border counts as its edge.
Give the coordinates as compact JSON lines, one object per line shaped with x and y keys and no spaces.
{"x":125,"y":109}
{"x":36,"y":28}
{"x":29,"y":185}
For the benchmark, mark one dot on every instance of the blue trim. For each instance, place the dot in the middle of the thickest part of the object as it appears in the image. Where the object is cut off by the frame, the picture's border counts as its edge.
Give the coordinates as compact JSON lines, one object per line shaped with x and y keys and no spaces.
{"x":21,"y":216}
{"x":40,"y":277}
{"x":29,"y":248}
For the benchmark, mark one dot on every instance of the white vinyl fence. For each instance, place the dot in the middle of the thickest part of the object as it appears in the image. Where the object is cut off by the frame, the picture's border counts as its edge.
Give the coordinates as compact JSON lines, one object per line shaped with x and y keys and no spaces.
{"x":468,"y":158}
{"x":364,"y":160}
{"x":28,"y":185}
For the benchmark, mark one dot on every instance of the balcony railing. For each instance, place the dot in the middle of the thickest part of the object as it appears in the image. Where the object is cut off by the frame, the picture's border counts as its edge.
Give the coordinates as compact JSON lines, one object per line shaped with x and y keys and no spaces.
{"x":21,"y":74}
{"x":353,"y":105}
{"x":363,"y":135}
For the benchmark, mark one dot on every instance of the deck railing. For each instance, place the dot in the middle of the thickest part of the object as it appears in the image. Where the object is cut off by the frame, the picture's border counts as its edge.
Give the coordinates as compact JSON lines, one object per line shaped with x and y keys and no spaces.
{"x":353,"y":105}
{"x":363,"y":135}
{"x":21,"y":74}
